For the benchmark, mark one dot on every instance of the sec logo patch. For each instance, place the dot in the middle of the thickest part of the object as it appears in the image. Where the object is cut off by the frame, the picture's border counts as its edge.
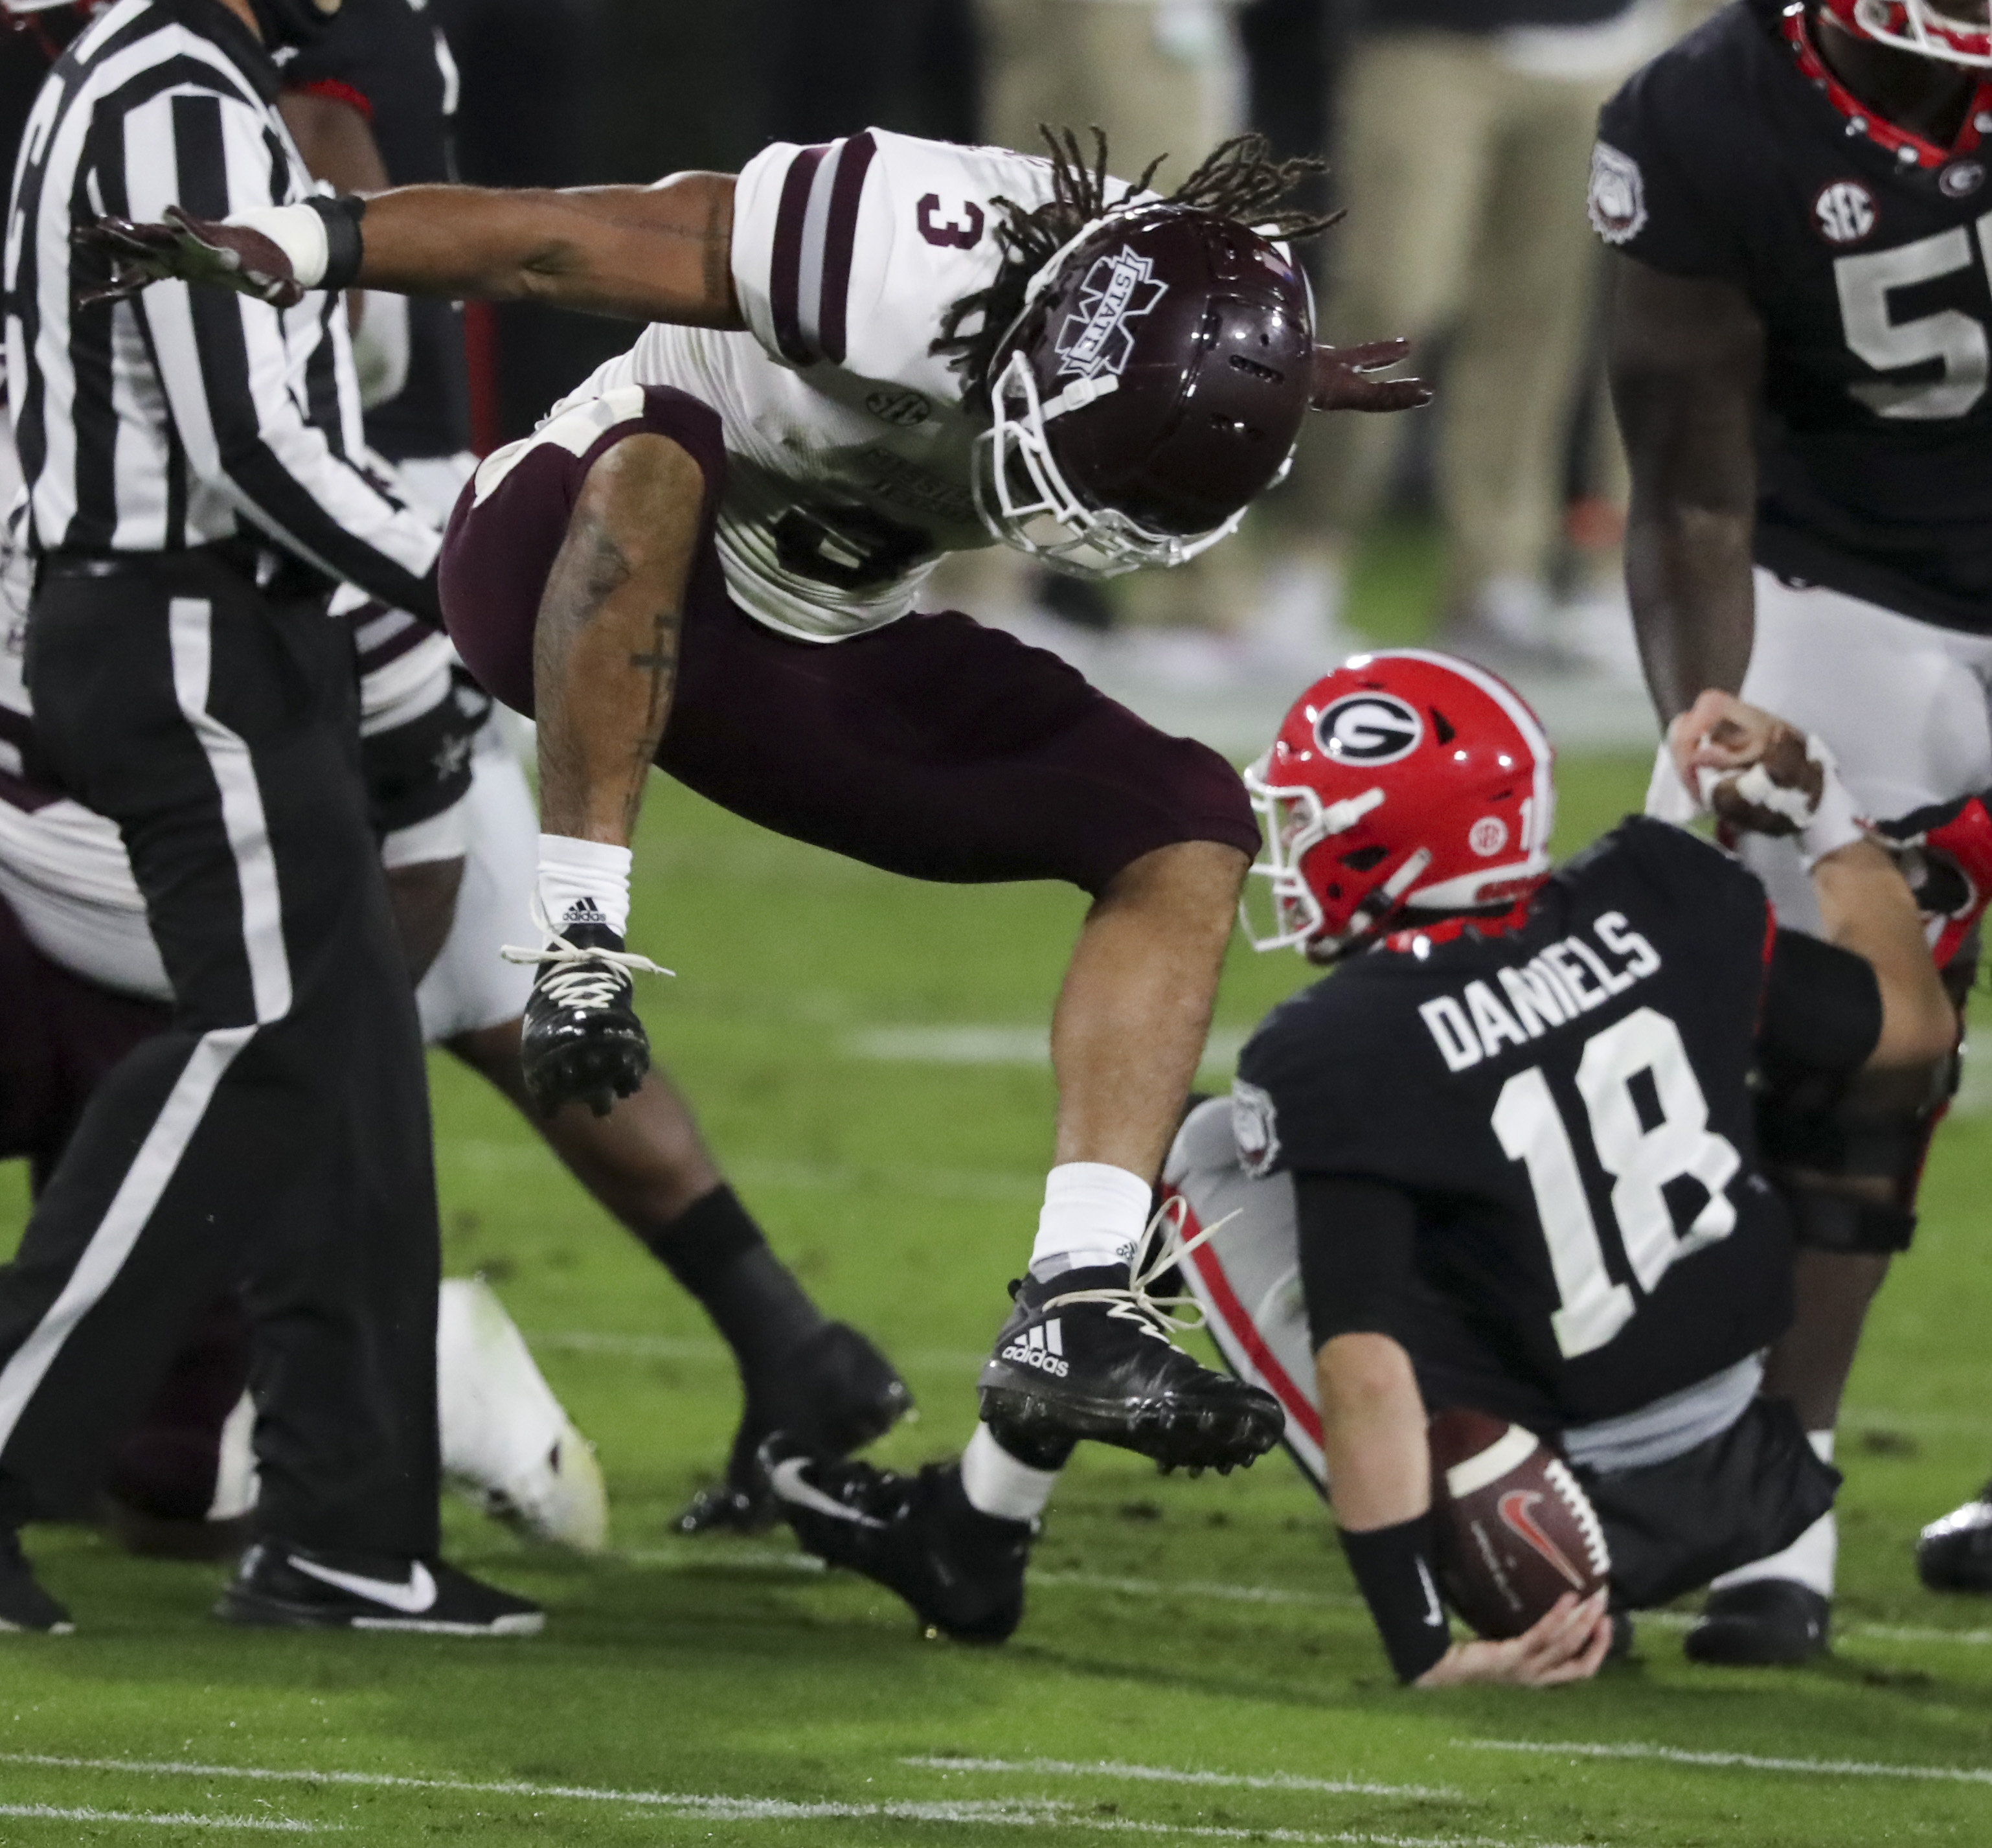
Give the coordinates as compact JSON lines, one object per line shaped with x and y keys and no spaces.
{"x":1845,"y":212}
{"x":1487,"y":836}
{"x":1370,"y":729}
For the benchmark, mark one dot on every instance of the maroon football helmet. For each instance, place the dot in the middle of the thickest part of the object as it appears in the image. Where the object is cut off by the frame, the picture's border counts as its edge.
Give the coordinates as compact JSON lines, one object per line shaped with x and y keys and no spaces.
{"x":1152,"y":387}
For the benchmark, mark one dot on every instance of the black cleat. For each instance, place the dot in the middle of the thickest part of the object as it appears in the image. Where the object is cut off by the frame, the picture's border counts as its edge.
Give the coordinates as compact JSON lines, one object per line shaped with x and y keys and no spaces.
{"x":1086,"y":1355}
{"x":1955,"y":1554}
{"x":24,"y":1605}
{"x":1765,"y":1623}
{"x":836,"y":1394}
{"x":582,"y":1040}
{"x":277,"y":1587}
{"x":960,"y":1569}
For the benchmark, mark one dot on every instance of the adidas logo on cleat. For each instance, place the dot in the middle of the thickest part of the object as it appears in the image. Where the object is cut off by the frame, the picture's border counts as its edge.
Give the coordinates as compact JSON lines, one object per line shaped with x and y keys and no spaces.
{"x":584,"y":911}
{"x":1043,"y":1347}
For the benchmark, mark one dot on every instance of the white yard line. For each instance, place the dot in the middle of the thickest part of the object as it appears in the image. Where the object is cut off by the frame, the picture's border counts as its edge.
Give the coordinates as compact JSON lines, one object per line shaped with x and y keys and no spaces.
{"x":978,"y":1043}
{"x":51,"y":1812}
{"x":1039,"y":1813}
{"x":706,"y":1348}
{"x":1669,"y":1754}
{"x":1163,"y":1773}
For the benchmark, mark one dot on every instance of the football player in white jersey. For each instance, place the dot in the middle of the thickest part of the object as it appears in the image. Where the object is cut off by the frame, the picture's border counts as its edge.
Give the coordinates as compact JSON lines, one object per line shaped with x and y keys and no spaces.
{"x":863,"y":356}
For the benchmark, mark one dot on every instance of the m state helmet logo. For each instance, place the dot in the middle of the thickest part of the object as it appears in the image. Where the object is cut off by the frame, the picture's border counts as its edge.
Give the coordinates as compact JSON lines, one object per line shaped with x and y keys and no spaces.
{"x":1618,"y":201}
{"x":1370,"y":729}
{"x":1095,"y":337}
{"x":1845,"y":212}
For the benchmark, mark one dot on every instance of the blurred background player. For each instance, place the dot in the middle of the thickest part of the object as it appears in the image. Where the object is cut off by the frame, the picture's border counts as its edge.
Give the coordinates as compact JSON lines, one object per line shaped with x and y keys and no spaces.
{"x":1505,"y":1158}
{"x":1463,"y":129}
{"x":1796,"y":197}
{"x":458,"y":829}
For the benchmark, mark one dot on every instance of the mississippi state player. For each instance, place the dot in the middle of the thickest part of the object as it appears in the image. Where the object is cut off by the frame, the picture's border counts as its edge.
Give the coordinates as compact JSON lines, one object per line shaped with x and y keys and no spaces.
{"x":1504,"y":1159}
{"x":1796,"y":196}
{"x":867,"y":354}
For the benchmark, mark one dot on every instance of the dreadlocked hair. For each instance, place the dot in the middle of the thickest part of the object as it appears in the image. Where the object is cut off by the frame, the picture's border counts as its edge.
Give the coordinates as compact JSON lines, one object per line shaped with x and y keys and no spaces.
{"x":1239,"y":180}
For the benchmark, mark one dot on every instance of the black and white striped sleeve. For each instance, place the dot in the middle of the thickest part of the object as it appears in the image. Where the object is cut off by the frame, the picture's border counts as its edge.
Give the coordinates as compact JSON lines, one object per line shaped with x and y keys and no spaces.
{"x":265,"y":400}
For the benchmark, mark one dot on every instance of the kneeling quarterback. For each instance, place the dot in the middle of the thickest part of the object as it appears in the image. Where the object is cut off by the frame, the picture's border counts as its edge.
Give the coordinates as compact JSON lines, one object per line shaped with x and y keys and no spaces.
{"x":1504,"y":1159}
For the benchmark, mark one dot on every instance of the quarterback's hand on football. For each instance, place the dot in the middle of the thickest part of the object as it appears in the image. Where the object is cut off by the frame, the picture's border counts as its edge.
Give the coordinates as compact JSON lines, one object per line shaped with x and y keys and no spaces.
{"x":1567,"y":1643}
{"x":1342,"y":380}
{"x":193,"y":250}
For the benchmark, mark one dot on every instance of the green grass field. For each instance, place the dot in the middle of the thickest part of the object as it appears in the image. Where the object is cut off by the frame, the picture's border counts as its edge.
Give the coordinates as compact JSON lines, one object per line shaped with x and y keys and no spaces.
{"x":1194,"y":1663}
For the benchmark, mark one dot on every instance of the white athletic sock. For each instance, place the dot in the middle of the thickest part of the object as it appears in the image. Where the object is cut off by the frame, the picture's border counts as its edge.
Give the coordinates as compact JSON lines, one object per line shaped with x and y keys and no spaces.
{"x":997,"y":1484}
{"x":585,"y":881}
{"x":1811,"y":1559}
{"x":1093,"y":1213}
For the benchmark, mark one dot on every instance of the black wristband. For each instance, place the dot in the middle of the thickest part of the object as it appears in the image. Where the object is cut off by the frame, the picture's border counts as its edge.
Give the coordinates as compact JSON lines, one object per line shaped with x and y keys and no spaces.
{"x":1392,"y":1567}
{"x":344,"y":245}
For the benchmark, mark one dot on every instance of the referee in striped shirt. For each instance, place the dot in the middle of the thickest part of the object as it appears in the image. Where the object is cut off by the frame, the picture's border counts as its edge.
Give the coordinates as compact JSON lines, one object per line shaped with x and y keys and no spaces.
{"x":193,"y":497}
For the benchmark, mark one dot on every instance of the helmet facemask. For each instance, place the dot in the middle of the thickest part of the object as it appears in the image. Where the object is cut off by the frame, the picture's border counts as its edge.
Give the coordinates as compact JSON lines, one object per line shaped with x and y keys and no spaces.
{"x":1953,"y":31}
{"x":1026,"y":502}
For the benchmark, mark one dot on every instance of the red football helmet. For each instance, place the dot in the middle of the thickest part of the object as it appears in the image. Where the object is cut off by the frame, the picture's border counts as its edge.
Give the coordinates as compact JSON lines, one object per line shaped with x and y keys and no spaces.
{"x":1959,"y":31}
{"x":1404,"y":780}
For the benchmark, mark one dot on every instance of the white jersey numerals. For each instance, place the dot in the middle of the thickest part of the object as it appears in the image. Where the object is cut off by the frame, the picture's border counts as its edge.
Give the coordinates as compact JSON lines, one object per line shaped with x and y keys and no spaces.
{"x":1950,"y":335}
{"x":1641,"y":1160}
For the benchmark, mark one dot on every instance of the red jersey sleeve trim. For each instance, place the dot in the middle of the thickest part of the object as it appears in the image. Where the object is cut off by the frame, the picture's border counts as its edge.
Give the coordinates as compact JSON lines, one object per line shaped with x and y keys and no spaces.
{"x":334,"y":91}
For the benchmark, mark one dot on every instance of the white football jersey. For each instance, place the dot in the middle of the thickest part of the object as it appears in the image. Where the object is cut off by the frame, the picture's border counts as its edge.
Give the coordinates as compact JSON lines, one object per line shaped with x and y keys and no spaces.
{"x":848,"y":448}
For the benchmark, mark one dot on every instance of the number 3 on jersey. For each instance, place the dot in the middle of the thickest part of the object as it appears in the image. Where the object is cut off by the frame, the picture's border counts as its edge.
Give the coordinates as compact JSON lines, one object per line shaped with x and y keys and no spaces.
{"x":1641,"y":1161}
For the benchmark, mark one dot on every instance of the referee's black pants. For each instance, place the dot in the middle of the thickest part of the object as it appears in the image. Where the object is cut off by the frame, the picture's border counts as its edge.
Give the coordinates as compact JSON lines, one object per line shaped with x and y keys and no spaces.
{"x":277,"y":1134}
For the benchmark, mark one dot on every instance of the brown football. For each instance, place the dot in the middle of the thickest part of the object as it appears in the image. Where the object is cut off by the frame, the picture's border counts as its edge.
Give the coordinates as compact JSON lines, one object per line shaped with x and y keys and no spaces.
{"x":1514,"y":1529}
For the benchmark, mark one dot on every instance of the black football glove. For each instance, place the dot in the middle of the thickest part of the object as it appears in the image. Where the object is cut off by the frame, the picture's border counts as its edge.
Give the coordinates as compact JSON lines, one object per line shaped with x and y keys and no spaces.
{"x":194,"y":250}
{"x":1945,"y":851}
{"x":582,"y":1040}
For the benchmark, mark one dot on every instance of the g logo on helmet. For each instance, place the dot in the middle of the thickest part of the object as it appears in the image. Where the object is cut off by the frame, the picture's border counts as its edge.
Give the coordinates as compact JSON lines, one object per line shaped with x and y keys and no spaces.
{"x":1370,"y":729}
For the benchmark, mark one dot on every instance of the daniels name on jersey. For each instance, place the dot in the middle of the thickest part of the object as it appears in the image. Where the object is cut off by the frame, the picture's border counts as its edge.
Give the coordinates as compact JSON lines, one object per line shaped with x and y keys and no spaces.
{"x":1867,"y":252}
{"x":847,"y":446}
{"x":1567,"y":1104}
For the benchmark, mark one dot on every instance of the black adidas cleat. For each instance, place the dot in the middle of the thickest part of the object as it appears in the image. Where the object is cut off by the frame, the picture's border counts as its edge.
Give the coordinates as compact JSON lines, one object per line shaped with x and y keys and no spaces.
{"x":1086,"y":1356}
{"x":582,"y":1040}
{"x":24,"y":1606}
{"x":961,"y":1570}
{"x":1765,"y":1623}
{"x":836,"y":1394}
{"x":282,"y":1587}
{"x":1955,"y":1554}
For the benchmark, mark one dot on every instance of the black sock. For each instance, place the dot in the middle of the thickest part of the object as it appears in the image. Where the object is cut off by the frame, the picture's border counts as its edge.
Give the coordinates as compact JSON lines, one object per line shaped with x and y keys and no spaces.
{"x":717,"y":1252}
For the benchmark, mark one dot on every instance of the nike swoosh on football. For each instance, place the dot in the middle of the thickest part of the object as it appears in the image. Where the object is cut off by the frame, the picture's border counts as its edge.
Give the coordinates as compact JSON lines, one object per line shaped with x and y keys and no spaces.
{"x":787,"y":1478}
{"x":417,"y":1595}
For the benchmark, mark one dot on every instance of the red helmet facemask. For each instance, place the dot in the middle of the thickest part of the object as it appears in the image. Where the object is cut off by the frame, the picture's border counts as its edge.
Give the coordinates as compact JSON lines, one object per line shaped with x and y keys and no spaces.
{"x":1405,"y":781}
{"x":1958,"y":31}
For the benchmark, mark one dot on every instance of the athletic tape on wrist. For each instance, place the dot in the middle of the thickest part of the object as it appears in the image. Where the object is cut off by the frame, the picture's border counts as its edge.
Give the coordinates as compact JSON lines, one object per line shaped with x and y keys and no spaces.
{"x":345,"y":246}
{"x":1392,"y":1569}
{"x":1835,"y":823}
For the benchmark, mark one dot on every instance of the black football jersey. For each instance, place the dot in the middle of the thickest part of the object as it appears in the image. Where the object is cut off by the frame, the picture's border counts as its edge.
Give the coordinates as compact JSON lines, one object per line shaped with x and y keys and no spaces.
{"x":392,"y":55}
{"x":1568,"y":1104}
{"x":1868,"y":253}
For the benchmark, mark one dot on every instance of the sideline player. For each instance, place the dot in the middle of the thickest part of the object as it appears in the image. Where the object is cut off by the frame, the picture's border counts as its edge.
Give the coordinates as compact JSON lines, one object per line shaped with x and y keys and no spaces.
{"x":1507,"y":1151}
{"x":867,"y":354}
{"x":1799,"y":327}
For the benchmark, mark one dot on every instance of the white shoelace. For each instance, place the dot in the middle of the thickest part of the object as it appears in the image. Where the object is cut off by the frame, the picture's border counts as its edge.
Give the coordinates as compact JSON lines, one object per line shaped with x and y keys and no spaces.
{"x":1161,"y":1245}
{"x":587,"y":978}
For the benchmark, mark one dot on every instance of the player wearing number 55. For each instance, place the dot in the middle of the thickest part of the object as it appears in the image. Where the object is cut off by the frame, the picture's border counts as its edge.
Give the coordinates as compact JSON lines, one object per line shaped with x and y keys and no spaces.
{"x":1502,"y":1166}
{"x":1797,"y":198}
